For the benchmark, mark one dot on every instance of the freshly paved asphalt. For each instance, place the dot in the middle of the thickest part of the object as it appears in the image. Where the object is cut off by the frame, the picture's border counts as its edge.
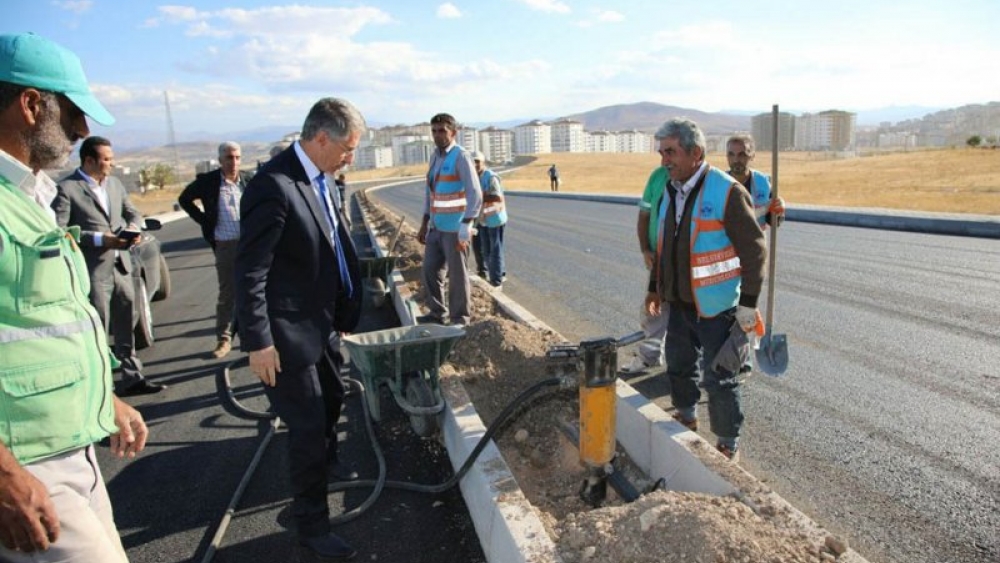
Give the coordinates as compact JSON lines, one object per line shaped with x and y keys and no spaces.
{"x":886,"y":425}
{"x":169,"y":501}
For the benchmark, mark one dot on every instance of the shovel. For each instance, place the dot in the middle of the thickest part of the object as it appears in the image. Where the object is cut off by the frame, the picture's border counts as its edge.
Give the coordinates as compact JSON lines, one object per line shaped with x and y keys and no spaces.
{"x":772,"y":355}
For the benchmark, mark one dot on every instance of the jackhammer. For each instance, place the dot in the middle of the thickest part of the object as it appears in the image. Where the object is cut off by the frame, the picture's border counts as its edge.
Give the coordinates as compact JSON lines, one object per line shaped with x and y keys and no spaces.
{"x":596,"y":362}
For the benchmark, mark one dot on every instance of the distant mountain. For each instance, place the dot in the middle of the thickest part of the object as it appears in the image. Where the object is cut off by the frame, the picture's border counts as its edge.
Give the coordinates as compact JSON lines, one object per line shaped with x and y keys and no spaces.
{"x":893,"y":114}
{"x":648,"y":116}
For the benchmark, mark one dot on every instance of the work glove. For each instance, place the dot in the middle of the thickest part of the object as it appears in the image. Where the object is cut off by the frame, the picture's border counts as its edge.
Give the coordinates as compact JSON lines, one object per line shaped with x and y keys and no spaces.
{"x":777,"y":211}
{"x":465,"y":232}
{"x":747,"y":317}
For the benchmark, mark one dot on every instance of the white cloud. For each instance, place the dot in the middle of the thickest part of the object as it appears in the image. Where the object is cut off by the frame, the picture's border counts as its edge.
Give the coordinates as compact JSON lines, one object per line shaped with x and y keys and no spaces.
{"x":448,"y":11}
{"x":554,"y":6}
{"x":610,"y":16}
{"x":75,"y":6}
{"x":281,"y":52}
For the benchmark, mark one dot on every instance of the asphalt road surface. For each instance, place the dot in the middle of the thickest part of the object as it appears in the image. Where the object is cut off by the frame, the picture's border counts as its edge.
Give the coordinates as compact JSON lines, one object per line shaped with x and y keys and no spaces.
{"x":885,"y":428}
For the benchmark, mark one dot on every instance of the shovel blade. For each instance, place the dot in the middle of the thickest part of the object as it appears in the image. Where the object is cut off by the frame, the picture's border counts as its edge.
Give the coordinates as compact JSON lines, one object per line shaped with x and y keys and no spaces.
{"x":772,"y":356}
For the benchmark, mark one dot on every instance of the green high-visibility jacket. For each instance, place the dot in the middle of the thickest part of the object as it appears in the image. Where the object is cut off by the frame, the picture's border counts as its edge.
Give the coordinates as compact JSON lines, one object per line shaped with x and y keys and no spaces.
{"x":55,"y":369}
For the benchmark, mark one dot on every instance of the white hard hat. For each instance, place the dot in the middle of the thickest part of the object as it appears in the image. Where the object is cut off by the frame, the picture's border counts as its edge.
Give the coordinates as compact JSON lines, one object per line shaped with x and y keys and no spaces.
{"x":478,"y":156}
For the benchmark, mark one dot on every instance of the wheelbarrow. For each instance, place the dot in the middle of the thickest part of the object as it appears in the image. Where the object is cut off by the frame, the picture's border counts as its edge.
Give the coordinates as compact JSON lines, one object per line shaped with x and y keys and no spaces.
{"x":375,"y":274}
{"x":406,"y":359}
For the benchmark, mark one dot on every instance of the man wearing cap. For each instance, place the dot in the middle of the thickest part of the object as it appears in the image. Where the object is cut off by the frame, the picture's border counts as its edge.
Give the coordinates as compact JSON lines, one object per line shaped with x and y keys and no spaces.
{"x":491,"y":220}
{"x":56,"y":395}
{"x":709,"y":269}
{"x":452,"y":199}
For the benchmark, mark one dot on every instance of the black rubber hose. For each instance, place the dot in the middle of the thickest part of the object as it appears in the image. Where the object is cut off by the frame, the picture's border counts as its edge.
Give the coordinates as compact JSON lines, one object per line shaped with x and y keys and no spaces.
{"x":466,"y":465}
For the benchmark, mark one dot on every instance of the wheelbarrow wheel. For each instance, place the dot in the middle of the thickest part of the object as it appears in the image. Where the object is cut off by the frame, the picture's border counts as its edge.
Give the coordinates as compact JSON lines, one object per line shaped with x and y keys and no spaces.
{"x":419,"y":394}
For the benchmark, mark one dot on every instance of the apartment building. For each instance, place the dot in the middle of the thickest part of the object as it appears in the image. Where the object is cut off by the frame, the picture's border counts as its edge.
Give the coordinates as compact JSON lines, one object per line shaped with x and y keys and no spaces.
{"x":601,"y":141}
{"x":831,"y":130}
{"x":762,"y":129}
{"x":633,"y":141}
{"x":568,"y":136}
{"x":497,"y":144}
{"x":416,"y":152}
{"x":468,"y":138}
{"x":534,"y":137}
{"x":373,"y":156}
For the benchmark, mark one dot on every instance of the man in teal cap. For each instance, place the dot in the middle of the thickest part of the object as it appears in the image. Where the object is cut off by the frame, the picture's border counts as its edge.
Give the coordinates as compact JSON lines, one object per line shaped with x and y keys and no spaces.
{"x":56,"y":396}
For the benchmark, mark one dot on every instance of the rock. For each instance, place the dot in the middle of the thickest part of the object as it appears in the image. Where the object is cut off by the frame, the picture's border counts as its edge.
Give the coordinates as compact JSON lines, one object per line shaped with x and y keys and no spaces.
{"x":588,"y":553}
{"x":521,"y":436}
{"x":648,"y":518}
{"x":838,"y":546}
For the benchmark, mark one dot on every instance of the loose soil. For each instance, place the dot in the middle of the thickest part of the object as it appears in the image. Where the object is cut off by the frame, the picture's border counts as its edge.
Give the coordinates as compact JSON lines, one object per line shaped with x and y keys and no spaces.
{"x":499,"y":358}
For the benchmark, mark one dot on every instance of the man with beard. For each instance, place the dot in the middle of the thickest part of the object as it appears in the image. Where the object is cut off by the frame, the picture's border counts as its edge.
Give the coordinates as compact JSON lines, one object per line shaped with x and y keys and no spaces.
{"x":56,"y":374}
{"x":740,"y":153}
{"x":452,"y":199}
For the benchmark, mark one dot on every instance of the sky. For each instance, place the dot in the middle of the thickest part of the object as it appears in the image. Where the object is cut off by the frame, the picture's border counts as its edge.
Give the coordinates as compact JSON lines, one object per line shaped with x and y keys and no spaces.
{"x":236,"y":65}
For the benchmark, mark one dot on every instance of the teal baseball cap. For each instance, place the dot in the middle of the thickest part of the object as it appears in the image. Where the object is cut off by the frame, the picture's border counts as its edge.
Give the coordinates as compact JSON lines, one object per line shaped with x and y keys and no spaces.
{"x":31,"y":60}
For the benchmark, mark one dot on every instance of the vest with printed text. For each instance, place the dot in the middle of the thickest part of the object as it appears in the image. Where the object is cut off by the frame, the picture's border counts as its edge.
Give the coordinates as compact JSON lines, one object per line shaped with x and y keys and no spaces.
{"x":55,"y":383}
{"x":715,"y":267}
{"x":760,"y":191}
{"x":447,"y":194}
{"x":494,"y":211}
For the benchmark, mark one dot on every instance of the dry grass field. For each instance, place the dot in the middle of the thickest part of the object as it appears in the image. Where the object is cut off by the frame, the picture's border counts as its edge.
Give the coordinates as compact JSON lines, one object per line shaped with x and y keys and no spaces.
{"x":950,"y":180}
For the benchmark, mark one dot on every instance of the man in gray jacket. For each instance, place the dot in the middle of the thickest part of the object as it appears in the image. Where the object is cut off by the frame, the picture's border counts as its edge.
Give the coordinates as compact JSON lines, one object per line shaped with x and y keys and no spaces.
{"x":95,"y":201}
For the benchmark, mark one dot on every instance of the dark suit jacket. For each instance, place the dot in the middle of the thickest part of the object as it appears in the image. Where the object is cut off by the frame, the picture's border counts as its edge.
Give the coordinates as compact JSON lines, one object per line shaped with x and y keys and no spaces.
{"x":288,"y":288}
{"x":205,"y":187}
{"x":77,"y":205}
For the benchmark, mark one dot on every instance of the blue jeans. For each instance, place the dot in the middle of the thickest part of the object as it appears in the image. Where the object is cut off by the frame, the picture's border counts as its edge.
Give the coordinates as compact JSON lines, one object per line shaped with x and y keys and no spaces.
{"x":691,"y":344}
{"x":491,"y":241}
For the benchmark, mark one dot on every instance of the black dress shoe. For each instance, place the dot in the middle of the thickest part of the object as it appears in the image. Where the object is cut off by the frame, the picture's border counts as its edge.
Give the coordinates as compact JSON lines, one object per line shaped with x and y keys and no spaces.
{"x":429,"y":319}
{"x":141,"y":387}
{"x":328,"y":548}
{"x":340,"y":472}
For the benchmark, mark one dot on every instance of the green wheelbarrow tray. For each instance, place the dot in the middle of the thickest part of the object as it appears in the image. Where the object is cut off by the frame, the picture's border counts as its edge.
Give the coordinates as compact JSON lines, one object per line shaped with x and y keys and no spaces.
{"x":391,"y":356}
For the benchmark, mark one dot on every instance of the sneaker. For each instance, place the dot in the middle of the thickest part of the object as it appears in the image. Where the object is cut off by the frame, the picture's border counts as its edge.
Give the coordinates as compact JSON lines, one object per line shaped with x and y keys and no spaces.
{"x":498,"y":287}
{"x":636,"y":365}
{"x":691,"y":425}
{"x":222,"y":348}
{"x":730,"y":453}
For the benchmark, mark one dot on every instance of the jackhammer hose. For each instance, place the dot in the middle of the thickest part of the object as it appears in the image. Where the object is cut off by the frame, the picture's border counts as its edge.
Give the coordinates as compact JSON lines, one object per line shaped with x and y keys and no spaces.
{"x":466,"y":465}
{"x":232,"y":404}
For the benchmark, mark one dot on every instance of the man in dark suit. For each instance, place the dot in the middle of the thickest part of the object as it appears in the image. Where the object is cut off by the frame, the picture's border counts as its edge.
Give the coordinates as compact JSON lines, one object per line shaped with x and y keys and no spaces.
{"x":219,"y":192}
{"x":298,"y":280}
{"x":95,"y":201}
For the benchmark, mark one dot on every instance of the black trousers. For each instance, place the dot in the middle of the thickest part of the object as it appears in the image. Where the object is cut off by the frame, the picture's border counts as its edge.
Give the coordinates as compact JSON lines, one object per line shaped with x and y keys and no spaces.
{"x":309,"y":402}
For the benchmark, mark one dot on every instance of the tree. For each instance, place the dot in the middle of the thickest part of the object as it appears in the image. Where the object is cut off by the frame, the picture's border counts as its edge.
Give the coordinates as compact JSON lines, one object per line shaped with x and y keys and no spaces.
{"x":159,"y":175}
{"x":974,"y":141}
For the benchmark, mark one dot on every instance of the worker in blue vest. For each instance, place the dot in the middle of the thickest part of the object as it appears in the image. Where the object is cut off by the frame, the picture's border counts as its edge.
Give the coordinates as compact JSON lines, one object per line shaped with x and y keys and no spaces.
{"x":492,"y":220}
{"x":709,"y":269}
{"x":452,"y":200}
{"x":740,"y":152}
{"x":56,"y":393}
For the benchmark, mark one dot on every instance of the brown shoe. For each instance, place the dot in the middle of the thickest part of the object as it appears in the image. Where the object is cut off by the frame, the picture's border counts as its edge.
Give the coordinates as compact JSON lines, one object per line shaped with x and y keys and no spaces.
{"x":222,"y":349}
{"x":691,"y":425}
{"x":730,"y":453}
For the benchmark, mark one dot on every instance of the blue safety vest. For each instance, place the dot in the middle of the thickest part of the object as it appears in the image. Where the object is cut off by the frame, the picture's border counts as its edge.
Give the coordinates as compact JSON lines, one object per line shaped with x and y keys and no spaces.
{"x":494,"y":211}
{"x":760,"y":191}
{"x":447,"y":194}
{"x":715,"y":267}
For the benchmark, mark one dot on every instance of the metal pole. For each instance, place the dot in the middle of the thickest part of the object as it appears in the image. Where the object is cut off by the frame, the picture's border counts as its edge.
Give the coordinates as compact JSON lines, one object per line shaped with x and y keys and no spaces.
{"x":772,"y":257}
